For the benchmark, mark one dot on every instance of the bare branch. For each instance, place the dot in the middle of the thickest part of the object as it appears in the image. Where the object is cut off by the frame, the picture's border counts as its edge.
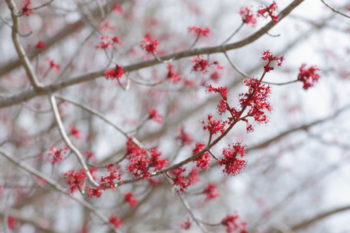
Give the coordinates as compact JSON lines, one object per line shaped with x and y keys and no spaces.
{"x":19,"y":49}
{"x":68,"y":141}
{"x":24,"y":96}
{"x":58,"y":187}
{"x":334,"y":10}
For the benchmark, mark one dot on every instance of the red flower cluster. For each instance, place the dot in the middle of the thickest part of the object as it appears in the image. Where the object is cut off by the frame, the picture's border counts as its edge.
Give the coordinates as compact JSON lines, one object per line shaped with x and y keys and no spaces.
{"x":204,"y":159}
{"x":214,"y":126}
{"x":199,"y":31}
{"x":211,"y":192}
{"x":115,"y":221}
{"x":247,"y":16}
{"x":130,"y":198}
{"x":221,"y":90}
{"x":269,"y":11}
{"x":40,"y":45}
{"x":75,"y":179}
{"x":233,"y":226}
{"x":53,"y":65}
{"x":308,"y":76}
{"x":11,"y":222}
{"x":202,"y":65}
{"x":115,"y":73}
{"x":155,"y":116}
{"x":150,"y":45}
{"x":107,"y":41}
{"x":26,"y":10}
{"x":184,"y":137}
{"x":57,"y":155}
{"x":75,"y":132}
{"x":186,"y":225}
{"x":183,"y":181}
{"x":142,"y":160}
{"x":267,"y":56}
{"x":232,"y":164}
{"x":256,"y":100}
{"x":171,"y":75}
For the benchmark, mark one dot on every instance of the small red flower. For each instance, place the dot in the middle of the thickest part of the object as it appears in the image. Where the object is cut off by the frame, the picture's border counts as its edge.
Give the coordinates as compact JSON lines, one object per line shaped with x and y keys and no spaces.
{"x":247,"y":16}
{"x":26,"y":10}
{"x":214,"y":126}
{"x":199,"y":31}
{"x":211,"y":192}
{"x":204,"y":159}
{"x":57,"y":155}
{"x":200,"y":64}
{"x":267,"y":56}
{"x":53,"y":65}
{"x":184,"y":137}
{"x":115,"y":221}
{"x":232,"y":225}
{"x":75,"y":132}
{"x":269,"y":11}
{"x":40,"y":45}
{"x":308,"y":76}
{"x":155,"y":116}
{"x":232,"y":164}
{"x":115,"y":73}
{"x":130,"y":198}
{"x":171,"y":75}
{"x":11,"y":222}
{"x":186,"y":225}
{"x":150,"y":45}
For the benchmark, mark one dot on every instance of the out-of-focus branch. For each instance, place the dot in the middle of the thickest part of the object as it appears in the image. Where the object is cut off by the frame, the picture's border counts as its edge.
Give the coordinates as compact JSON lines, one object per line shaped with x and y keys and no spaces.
{"x":58,"y":187}
{"x":26,"y":95}
{"x":19,"y":49}
{"x":41,"y":223}
{"x":319,"y":217}
{"x":293,"y":130}
{"x":334,"y":10}
{"x":66,"y":139}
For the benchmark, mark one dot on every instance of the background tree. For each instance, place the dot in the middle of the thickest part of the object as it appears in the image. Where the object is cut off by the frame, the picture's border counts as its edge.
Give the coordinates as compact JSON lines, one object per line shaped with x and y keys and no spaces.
{"x":171,"y":116}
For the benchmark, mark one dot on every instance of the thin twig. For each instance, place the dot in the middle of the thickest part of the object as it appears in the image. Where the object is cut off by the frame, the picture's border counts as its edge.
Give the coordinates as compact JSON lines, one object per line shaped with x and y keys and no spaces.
{"x":334,"y":10}
{"x":58,"y":187}
{"x":235,"y":67}
{"x":19,"y":49}
{"x":68,"y":141}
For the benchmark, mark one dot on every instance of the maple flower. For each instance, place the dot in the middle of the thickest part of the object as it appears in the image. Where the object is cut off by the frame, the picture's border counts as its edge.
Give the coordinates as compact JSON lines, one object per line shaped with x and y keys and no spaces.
{"x":221,"y":90}
{"x":75,"y":132}
{"x":26,"y":10}
{"x":199,"y":31}
{"x":269,"y":11}
{"x":200,"y":64}
{"x":94,"y":192}
{"x":267,"y":56}
{"x":214,"y":126}
{"x":150,"y":45}
{"x":115,"y":221}
{"x":108,"y":182}
{"x":130,"y":198}
{"x":171,"y":75}
{"x":107,"y":41}
{"x":184,"y":137}
{"x":155,"y":116}
{"x":11,"y":222}
{"x":53,"y":65}
{"x":204,"y":159}
{"x":232,"y":164}
{"x":181,"y":180}
{"x":115,"y":73}
{"x":256,"y":99}
{"x":75,"y":179}
{"x":40,"y":45}
{"x":56,"y":155}
{"x":232,"y":225}
{"x":308,"y":76}
{"x":186,"y":225}
{"x":247,"y":16}
{"x":211,"y":192}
